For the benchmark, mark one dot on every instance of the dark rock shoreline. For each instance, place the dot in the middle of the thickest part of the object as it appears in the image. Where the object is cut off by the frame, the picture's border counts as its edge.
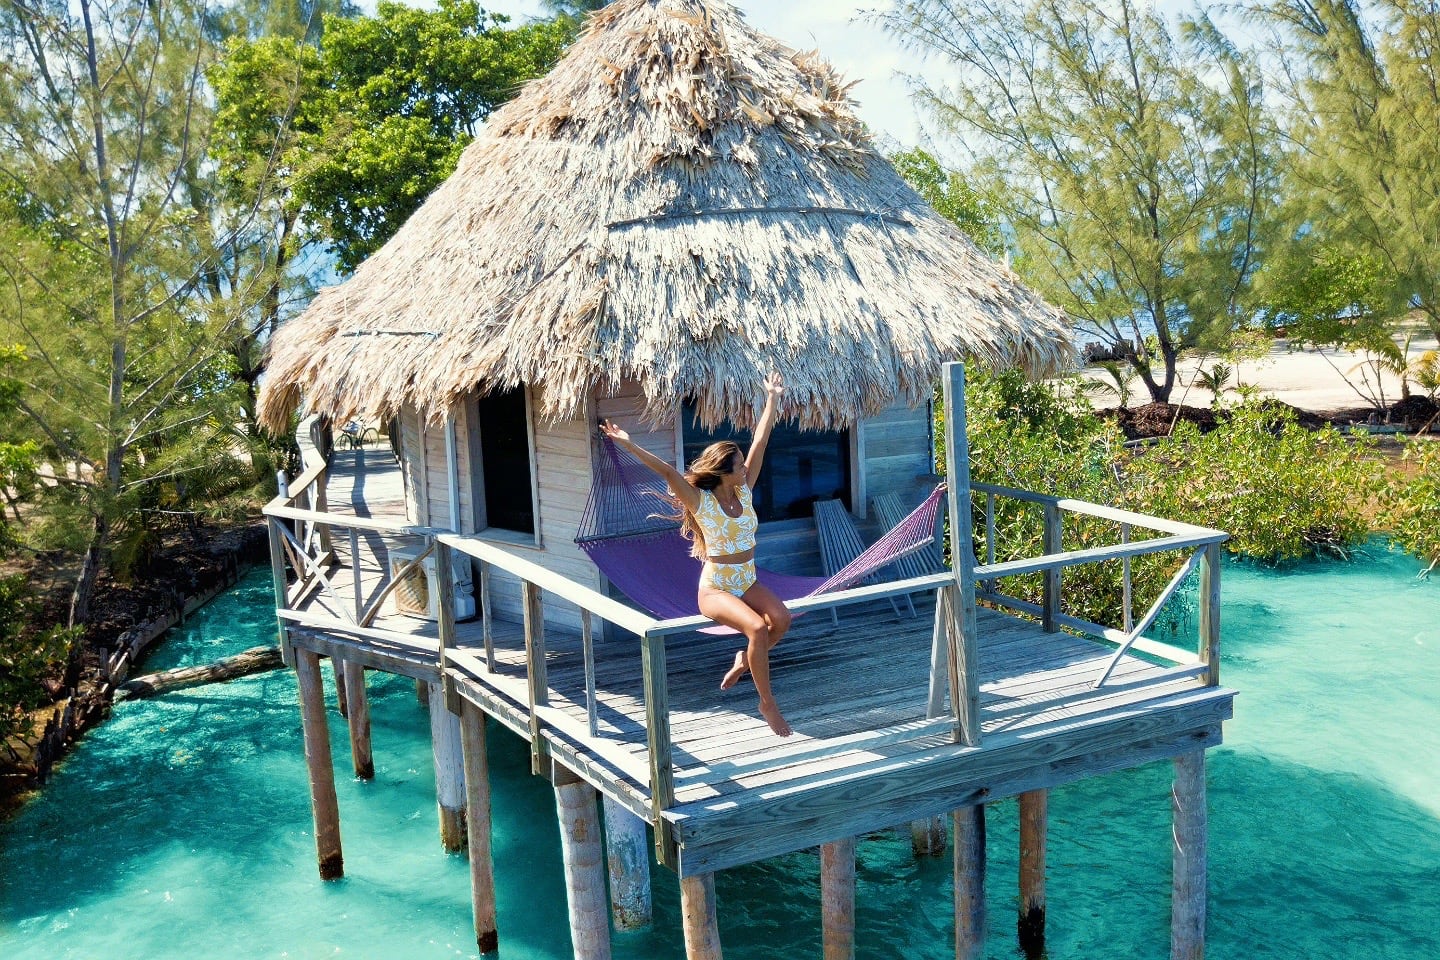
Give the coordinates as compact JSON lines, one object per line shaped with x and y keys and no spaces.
{"x":126,"y":618}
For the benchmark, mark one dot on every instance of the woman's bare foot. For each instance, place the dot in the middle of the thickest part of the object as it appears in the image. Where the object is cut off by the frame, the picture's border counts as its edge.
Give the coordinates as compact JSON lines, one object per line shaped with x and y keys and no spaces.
{"x":733,"y":675}
{"x":771,"y":712}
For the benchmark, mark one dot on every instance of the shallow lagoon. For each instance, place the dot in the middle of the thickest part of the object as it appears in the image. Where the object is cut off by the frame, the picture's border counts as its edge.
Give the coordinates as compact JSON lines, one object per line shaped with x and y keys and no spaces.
{"x":182,"y":827}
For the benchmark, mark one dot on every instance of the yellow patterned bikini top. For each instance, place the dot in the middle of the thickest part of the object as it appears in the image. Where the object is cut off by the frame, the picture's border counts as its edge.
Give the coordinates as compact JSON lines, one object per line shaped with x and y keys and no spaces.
{"x":724,"y":534}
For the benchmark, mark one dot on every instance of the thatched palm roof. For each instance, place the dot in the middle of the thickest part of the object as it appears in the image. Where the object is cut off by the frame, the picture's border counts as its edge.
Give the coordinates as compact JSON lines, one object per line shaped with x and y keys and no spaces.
{"x":684,"y":202}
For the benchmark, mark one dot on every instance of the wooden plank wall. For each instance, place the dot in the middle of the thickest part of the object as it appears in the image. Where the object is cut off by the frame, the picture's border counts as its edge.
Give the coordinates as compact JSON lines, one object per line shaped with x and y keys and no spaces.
{"x":896,"y":451}
{"x":436,"y":472}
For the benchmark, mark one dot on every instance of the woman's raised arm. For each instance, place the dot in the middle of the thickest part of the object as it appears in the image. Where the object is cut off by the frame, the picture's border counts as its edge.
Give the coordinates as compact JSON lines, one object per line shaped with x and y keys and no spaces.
{"x":683,"y":490}
{"x":774,"y":390}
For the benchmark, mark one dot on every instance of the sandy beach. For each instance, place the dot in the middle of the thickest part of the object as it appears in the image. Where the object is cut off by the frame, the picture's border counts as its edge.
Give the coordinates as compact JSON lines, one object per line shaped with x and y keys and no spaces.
{"x":1309,"y":379}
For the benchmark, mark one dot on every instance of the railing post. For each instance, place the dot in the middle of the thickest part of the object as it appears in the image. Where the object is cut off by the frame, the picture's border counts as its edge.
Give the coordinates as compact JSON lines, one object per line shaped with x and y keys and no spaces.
{"x":1050,"y":597}
{"x":1126,"y":587}
{"x":485,"y":616}
{"x":445,"y":619}
{"x":657,"y":728}
{"x":355,"y":571}
{"x":282,"y":591}
{"x":535,"y":673}
{"x":989,"y":537}
{"x":964,"y":642}
{"x":1210,"y":613}
{"x":321,"y":504}
{"x":587,"y":642}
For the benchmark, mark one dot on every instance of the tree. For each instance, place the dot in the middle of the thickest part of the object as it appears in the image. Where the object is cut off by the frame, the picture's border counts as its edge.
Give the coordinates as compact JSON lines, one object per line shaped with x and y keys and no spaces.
{"x":952,"y":198}
{"x":1134,"y":171}
{"x":1333,"y":296}
{"x":1364,"y":119}
{"x":103,"y":119}
{"x":364,"y":127}
{"x":573,"y":8}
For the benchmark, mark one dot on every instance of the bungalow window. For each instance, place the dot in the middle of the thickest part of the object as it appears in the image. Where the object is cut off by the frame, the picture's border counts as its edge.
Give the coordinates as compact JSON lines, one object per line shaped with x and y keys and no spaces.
{"x":505,"y":469}
{"x":800,"y":466}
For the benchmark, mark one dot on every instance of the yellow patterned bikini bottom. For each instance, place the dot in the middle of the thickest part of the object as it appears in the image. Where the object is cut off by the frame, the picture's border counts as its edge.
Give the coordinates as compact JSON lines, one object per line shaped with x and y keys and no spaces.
{"x":733,"y":578}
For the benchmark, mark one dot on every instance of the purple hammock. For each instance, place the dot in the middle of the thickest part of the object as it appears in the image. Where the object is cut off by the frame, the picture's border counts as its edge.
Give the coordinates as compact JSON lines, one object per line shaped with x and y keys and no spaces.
{"x":643,"y":554}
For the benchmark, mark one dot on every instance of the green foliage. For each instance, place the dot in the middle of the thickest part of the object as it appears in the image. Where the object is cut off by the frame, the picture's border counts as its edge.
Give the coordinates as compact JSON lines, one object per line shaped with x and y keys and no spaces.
{"x":1120,"y":382}
{"x":1364,"y":115}
{"x":1411,"y":513}
{"x":27,"y":657}
{"x":123,"y":277}
{"x":1216,"y":379}
{"x":363,"y":128}
{"x":1282,"y":492}
{"x":1022,"y":435}
{"x":952,"y":198}
{"x":1133,"y":170}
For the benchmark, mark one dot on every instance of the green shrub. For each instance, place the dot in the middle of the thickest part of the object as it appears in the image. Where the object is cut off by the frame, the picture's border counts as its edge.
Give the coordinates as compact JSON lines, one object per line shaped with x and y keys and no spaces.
{"x":1282,"y":492}
{"x":1410,"y":508}
{"x":27,"y":657}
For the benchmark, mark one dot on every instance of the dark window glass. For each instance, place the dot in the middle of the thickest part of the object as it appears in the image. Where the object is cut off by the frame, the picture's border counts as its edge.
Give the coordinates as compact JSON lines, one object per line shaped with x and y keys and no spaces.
{"x":505,"y":453}
{"x":800,"y":466}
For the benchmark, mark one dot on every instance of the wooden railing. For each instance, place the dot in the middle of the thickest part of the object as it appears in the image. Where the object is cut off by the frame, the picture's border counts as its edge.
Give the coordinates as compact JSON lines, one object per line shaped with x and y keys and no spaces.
{"x":297,"y":527}
{"x":1202,"y":542}
{"x":302,"y":532}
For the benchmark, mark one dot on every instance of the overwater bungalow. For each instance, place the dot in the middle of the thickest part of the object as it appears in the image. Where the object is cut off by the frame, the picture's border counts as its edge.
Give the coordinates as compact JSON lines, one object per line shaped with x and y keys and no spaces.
{"x":681,"y":207}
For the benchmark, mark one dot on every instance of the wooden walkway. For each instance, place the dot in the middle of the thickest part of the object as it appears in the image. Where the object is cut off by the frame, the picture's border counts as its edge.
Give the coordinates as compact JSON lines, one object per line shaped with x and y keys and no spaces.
{"x":869,"y":750}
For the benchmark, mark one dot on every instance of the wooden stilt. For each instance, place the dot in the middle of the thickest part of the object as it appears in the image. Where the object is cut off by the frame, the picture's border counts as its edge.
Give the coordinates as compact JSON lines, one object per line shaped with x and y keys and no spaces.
{"x":1188,"y":900}
{"x":970,"y":882}
{"x":449,"y":771}
{"x":477,"y":816}
{"x":342,"y":701}
{"x":584,"y":875}
{"x":359,"y":719}
{"x":697,"y":916}
{"x":1034,"y":821}
{"x":323,"y":803}
{"x":837,"y":899}
{"x":422,"y":692}
{"x":927,"y":837}
{"x":628,"y":857}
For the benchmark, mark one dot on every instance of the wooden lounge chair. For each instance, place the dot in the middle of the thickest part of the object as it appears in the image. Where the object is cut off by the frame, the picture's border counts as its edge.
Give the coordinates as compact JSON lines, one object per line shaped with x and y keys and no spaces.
{"x":840,"y":543}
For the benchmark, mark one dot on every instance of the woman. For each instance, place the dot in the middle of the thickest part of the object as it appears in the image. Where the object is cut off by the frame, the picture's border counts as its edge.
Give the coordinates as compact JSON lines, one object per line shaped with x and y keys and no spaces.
{"x":716,"y":512}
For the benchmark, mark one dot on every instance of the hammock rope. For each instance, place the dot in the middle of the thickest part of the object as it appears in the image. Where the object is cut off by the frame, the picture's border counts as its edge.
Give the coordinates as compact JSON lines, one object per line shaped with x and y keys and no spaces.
{"x":625,"y":531}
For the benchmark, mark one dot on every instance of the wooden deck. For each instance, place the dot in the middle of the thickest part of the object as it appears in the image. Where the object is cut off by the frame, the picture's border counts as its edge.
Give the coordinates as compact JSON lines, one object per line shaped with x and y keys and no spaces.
{"x":867,"y":750}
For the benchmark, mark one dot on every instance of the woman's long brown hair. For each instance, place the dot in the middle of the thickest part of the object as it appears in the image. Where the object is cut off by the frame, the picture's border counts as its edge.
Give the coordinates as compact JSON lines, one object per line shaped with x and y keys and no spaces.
{"x":706,"y":472}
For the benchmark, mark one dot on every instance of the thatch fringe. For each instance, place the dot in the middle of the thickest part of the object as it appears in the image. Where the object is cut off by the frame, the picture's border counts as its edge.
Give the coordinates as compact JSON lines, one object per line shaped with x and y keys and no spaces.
{"x":682,"y":202}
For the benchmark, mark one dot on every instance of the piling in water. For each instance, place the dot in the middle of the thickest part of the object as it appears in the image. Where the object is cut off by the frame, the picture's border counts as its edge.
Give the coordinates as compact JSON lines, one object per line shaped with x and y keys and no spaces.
{"x":449,"y":771}
{"x":837,"y":899}
{"x":1034,"y":821}
{"x":627,"y":854}
{"x":323,"y":803}
{"x":575,"y":802}
{"x":477,"y":815}
{"x":970,"y":882}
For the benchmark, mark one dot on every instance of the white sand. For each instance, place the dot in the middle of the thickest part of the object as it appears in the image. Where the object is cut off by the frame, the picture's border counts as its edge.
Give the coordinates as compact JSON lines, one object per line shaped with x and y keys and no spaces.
{"x":1309,"y":379}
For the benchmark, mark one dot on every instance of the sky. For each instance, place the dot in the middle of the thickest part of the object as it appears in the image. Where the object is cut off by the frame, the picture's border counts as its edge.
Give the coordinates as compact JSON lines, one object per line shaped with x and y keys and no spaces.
{"x":859,"y":50}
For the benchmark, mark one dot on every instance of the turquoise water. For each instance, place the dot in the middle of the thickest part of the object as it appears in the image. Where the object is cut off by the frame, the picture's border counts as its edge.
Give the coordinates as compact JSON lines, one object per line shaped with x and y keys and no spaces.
{"x":182,"y":828}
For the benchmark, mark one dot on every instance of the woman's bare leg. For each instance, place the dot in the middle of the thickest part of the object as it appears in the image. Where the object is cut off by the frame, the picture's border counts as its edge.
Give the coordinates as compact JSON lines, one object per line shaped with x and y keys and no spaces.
{"x":732,"y":611}
{"x":763,"y":601}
